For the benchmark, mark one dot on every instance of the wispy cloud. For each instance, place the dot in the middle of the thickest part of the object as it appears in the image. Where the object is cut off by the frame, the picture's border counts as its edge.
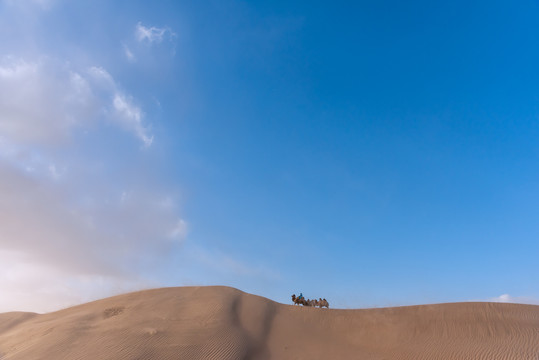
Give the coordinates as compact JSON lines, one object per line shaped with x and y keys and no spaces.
{"x":131,"y":116}
{"x":151,"y":34}
{"x":124,"y":111}
{"x":44,"y":101}
{"x":145,"y":42}
{"x":129,"y":54}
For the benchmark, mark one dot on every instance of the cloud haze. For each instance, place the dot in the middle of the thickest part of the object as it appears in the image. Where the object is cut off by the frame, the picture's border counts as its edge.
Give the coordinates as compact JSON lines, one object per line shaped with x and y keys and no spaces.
{"x":74,"y":226}
{"x":65,"y":215}
{"x":84,"y":212}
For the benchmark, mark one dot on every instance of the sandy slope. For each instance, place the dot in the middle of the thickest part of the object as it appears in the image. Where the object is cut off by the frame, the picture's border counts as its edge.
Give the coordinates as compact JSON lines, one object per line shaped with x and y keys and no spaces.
{"x":225,"y":323}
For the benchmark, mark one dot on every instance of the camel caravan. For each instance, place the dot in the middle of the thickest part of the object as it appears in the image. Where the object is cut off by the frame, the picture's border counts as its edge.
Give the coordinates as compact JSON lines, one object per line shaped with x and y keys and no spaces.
{"x":300,"y":300}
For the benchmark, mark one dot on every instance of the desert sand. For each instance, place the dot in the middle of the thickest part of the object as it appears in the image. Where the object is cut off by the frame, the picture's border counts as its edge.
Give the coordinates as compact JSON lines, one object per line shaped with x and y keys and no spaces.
{"x":225,"y":323}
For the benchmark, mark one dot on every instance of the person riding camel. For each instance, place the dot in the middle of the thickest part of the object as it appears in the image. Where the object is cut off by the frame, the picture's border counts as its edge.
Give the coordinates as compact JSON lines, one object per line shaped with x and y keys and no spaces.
{"x":300,"y":296}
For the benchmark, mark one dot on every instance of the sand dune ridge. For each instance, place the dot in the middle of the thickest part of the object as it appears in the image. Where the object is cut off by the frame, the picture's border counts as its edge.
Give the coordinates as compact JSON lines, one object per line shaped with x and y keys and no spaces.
{"x":225,"y":323}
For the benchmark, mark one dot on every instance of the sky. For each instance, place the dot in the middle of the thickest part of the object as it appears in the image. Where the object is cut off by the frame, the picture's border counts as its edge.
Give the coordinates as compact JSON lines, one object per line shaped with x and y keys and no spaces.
{"x":379,"y":153}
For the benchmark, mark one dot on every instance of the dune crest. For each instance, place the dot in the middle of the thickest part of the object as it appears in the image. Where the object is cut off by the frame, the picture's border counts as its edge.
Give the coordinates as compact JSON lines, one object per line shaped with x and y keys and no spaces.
{"x":225,"y":323}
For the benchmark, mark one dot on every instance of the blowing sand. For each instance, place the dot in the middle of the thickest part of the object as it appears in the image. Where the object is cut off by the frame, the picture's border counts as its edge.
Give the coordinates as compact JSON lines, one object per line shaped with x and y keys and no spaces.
{"x":223,"y":323}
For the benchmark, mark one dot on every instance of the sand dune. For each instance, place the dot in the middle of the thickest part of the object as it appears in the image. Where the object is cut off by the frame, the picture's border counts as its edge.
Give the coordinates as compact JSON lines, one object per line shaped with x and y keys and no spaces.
{"x":224,"y":323}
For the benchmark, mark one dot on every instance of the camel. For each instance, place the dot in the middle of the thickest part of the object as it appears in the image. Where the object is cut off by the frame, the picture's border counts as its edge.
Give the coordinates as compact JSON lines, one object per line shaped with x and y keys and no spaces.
{"x":307,"y":302}
{"x":298,"y":301}
{"x":323,"y":302}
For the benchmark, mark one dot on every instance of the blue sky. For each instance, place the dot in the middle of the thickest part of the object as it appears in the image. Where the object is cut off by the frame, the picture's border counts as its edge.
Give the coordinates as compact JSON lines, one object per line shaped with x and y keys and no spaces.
{"x":376,"y":154}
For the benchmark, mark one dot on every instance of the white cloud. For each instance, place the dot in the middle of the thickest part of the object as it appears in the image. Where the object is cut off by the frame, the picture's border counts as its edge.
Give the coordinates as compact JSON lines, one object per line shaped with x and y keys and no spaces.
{"x":41,"y":101}
{"x":125,"y":112}
{"x":502,"y":298}
{"x":150,"y":34}
{"x":73,"y":226}
{"x":129,"y":54}
{"x":506,"y":298}
{"x":131,"y":116}
{"x":81,"y":217}
{"x":103,"y":77}
{"x":145,"y":37}
{"x":44,"y":101}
